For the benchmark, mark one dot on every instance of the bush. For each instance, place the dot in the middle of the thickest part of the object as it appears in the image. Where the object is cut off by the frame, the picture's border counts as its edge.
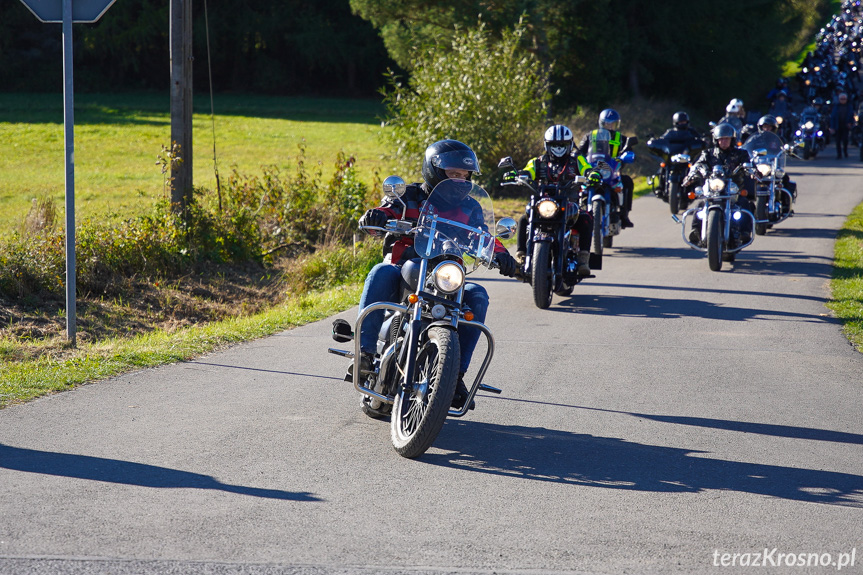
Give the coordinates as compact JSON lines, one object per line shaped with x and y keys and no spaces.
{"x":255,"y":218}
{"x":491,"y":95}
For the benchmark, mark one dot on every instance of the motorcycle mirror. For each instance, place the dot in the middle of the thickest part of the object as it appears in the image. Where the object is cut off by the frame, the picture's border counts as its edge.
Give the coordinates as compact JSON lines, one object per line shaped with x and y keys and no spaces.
{"x":628,"y":157}
{"x":505,"y":228}
{"x":506,"y":163}
{"x":394,"y":187}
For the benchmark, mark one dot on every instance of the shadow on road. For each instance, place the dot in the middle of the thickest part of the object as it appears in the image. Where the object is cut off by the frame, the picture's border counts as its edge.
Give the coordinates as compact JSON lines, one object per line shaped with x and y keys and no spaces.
{"x":652,"y":307}
{"x":244,"y":368}
{"x":541,"y":454}
{"x":126,"y":473}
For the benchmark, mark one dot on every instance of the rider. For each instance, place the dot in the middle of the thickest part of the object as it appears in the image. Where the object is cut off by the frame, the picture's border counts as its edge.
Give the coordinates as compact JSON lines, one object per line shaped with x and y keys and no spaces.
{"x":681,"y":132}
{"x":443,"y":159}
{"x":732,"y":117}
{"x":841,"y":122}
{"x":610,"y":120}
{"x":723,"y":153}
{"x":557,"y":165}
{"x":768,"y":123}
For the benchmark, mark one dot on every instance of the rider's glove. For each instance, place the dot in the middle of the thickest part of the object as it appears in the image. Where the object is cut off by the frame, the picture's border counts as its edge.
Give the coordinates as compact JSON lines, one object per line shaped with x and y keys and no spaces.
{"x":375,"y":218}
{"x":505,"y":263}
{"x":510,"y":176}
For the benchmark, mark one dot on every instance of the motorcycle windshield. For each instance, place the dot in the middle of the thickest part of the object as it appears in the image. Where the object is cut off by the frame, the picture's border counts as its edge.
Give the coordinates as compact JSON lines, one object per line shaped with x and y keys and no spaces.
{"x":769,"y":143}
{"x":456,"y":220}
{"x":599,"y":143}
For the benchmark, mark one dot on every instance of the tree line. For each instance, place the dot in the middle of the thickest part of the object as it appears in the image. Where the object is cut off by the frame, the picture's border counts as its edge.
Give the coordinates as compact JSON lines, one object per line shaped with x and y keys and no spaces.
{"x":699,"y":52}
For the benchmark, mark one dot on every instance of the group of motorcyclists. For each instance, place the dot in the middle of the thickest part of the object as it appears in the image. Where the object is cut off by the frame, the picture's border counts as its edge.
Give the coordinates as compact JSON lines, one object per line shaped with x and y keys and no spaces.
{"x":827,"y":84}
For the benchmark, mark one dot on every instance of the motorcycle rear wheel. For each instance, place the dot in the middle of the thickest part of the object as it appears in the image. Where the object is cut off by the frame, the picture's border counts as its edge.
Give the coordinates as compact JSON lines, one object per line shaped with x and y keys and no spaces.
{"x":714,"y":240}
{"x":542,"y":274}
{"x":598,"y":214}
{"x":419,"y":413}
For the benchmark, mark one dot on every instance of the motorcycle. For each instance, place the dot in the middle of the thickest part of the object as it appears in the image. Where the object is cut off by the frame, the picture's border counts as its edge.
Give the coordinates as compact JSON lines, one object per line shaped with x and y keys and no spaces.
{"x":721,"y":218}
{"x":550,"y":259}
{"x":675,"y":160}
{"x":773,"y":203}
{"x":415,"y":368}
{"x":809,"y":137}
{"x":602,"y":193}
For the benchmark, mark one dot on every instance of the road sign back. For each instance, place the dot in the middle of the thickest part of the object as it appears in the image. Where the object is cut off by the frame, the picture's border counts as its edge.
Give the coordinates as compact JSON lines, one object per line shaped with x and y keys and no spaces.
{"x":83,"y":11}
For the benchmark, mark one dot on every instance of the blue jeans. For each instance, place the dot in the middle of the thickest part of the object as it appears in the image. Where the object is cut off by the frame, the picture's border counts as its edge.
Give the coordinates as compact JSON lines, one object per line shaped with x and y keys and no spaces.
{"x":382,"y":284}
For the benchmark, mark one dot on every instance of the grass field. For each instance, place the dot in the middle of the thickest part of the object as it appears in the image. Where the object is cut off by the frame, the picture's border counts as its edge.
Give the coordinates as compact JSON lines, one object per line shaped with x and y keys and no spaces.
{"x":118,"y":138}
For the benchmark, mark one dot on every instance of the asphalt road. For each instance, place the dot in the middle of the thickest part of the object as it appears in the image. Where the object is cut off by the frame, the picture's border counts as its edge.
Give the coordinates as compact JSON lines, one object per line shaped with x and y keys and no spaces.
{"x":660,"y":418}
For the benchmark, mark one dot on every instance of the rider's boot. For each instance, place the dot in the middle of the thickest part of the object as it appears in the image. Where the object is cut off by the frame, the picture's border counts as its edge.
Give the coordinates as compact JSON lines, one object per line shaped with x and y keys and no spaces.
{"x":583,"y":260}
{"x":366,"y":367}
{"x":625,"y":222}
{"x":519,"y":258}
{"x":461,"y":394}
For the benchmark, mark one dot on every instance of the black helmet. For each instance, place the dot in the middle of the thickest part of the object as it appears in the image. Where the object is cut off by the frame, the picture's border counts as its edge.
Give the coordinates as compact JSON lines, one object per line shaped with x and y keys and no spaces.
{"x":447,"y":155}
{"x":680,"y":120}
{"x":558,"y":141}
{"x":768,"y":120}
{"x":724,"y":130}
{"x":609,"y":119}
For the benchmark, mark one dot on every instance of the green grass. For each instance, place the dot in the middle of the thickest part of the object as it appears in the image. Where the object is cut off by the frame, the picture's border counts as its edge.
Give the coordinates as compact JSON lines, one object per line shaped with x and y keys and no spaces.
{"x":119,"y":136}
{"x":847,"y":282}
{"x":26,"y":380}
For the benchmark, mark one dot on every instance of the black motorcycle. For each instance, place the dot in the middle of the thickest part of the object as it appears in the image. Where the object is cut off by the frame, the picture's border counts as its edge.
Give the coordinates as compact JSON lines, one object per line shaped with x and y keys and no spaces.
{"x":415,"y":369}
{"x":675,"y":158}
{"x":550,"y":260}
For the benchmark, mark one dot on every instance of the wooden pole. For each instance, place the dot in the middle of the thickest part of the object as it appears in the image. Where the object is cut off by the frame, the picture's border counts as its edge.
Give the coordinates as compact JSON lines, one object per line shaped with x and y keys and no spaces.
{"x":181,"y":102}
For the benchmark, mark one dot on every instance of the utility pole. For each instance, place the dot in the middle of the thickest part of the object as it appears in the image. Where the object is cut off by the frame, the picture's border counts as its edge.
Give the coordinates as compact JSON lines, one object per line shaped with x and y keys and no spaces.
{"x":181,"y":103}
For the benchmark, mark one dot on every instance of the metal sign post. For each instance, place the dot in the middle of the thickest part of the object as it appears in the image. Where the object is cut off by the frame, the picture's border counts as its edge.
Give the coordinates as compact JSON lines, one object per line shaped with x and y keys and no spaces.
{"x":63,"y":11}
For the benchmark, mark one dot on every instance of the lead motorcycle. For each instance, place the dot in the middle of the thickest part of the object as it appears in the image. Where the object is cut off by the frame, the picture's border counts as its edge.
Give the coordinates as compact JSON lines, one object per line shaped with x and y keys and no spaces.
{"x":415,"y":369}
{"x":550,"y":259}
{"x":603,"y":182}
{"x":722,"y":220}
{"x":773,"y":203}
{"x":675,"y":160}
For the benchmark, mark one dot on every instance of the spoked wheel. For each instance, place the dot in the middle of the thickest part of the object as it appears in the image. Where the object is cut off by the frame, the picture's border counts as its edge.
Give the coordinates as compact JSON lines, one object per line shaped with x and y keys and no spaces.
{"x":420,"y":410}
{"x":542,"y":274}
{"x":598,"y":214}
{"x":760,"y":214}
{"x":714,"y":240}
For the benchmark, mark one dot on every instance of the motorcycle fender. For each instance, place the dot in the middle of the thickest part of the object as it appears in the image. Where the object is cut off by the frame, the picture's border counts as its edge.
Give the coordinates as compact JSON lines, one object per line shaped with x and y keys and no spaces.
{"x":439,"y":323}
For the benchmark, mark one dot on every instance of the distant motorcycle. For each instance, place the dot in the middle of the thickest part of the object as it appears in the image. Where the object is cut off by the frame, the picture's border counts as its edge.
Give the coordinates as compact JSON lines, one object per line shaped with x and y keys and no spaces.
{"x":415,"y":371}
{"x":550,"y":260}
{"x":773,"y":203}
{"x":809,"y":137}
{"x":721,"y":218}
{"x":675,"y":159}
{"x":603,"y":181}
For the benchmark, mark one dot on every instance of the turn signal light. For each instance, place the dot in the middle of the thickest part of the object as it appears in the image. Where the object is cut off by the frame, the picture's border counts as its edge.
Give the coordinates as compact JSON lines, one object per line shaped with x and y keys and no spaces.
{"x":691,"y":195}
{"x":468,"y":315}
{"x":413,"y":298}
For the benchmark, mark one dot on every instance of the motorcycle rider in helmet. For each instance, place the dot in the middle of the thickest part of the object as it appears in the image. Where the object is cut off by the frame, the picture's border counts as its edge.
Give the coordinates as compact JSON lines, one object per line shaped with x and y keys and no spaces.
{"x":732,"y":117}
{"x":609,"y":119}
{"x":443,"y":159}
{"x":769,"y":123}
{"x":557,"y":165}
{"x":723,"y":153}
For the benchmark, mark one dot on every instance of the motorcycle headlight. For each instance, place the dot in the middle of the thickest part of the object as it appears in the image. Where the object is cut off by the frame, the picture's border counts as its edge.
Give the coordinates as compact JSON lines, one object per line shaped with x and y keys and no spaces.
{"x":808,"y":125}
{"x":764,"y":169}
{"x":680,"y":158}
{"x":780,"y":173}
{"x":605,"y":171}
{"x":547,"y":208}
{"x":448,"y":277}
{"x":716,"y":184}
{"x":779,"y":119}
{"x":732,"y":188}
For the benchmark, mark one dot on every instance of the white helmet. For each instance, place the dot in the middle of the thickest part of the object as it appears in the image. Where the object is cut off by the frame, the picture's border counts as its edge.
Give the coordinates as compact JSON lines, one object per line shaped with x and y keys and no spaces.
{"x":558,"y":141}
{"x":732,"y":108}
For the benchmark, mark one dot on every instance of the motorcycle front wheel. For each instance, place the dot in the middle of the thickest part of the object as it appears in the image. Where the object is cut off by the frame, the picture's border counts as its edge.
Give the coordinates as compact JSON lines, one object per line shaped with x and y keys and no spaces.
{"x":598,"y":214}
{"x":420,"y":410}
{"x":714,"y":240}
{"x":760,"y":214}
{"x":674,"y":196}
{"x":542,"y":274}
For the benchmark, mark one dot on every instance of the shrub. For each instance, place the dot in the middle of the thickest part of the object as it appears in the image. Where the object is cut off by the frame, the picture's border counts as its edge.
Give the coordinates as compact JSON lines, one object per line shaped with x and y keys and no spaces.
{"x":491,"y":95}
